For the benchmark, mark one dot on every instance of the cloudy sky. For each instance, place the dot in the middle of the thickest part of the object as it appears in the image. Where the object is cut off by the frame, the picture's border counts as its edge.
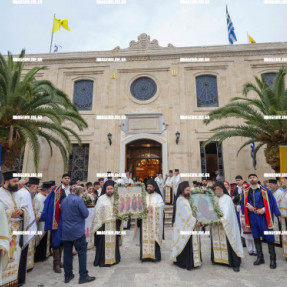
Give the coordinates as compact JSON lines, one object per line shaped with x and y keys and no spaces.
{"x":103,"y":27}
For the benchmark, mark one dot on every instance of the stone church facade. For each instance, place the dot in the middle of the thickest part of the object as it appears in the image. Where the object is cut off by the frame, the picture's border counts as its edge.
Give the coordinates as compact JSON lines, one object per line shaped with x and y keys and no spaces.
{"x":147,"y":89}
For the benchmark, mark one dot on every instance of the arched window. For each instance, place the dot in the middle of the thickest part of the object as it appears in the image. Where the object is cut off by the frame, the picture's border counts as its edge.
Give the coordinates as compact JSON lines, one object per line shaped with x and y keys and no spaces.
{"x":83,"y":95}
{"x":206,"y":91}
{"x":269,"y":78}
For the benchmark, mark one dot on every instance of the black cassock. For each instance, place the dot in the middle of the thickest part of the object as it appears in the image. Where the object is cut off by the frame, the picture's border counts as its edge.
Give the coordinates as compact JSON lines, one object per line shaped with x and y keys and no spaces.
{"x":185,"y":258}
{"x":157,"y":247}
{"x":234,"y":260}
{"x":99,"y":242}
{"x":41,"y":249}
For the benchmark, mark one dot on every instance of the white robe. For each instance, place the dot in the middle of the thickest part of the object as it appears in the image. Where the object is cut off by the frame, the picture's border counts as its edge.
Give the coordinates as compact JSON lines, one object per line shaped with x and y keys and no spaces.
{"x":230,"y":224}
{"x":167,"y":186}
{"x":184,"y":222}
{"x":176,"y":182}
{"x":152,"y":225}
{"x":38,"y":203}
{"x":104,"y":215}
{"x":159,"y":182}
{"x":4,"y":240}
{"x":12,"y":201}
{"x":32,"y":225}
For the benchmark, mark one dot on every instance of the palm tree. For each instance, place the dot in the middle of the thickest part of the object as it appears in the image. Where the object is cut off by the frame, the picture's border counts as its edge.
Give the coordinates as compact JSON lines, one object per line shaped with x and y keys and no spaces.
{"x":24,"y":95}
{"x":266,"y":133}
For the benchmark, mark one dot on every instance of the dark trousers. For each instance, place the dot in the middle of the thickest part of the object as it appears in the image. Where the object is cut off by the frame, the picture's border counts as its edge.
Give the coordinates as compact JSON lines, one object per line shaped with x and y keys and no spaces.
{"x":81,"y":247}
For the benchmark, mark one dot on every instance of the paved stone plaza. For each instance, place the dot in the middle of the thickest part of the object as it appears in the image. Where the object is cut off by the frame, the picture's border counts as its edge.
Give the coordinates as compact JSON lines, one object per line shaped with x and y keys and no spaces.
{"x":132,"y":273}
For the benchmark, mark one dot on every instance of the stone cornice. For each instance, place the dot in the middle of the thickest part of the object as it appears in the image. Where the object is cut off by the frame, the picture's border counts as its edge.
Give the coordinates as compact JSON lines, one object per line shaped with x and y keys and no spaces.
{"x":146,"y":50}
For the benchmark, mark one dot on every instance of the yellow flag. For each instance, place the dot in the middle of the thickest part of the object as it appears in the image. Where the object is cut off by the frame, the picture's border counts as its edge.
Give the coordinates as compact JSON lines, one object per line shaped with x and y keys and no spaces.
{"x":251,"y":40}
{"x":58,"y":23}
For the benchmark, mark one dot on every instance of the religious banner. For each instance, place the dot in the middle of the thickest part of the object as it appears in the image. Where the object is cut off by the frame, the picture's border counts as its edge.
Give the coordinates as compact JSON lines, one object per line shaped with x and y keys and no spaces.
{"x":130,"y":200}
{"x":204,"y":207}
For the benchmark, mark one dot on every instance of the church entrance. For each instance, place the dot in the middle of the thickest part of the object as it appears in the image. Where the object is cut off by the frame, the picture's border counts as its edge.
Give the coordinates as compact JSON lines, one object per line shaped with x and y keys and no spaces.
{"x":143,"y":158}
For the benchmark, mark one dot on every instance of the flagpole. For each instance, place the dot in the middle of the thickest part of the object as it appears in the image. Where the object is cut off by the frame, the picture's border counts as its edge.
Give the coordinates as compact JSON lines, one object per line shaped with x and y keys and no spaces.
{"x":52,"y":34}
{"x":247,"y":37}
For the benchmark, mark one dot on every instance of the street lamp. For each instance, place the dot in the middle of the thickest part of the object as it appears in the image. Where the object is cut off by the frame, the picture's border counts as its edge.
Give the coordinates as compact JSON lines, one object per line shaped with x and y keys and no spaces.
{"x":177,"y":134}
{"x":110,"y":138}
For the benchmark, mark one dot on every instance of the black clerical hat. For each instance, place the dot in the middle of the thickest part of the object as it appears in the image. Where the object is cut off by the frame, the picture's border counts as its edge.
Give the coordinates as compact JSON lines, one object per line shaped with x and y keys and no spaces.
{"x":47,"y":184}
{"x":9,"y":174}
{"x":53,"y":182}
{"x":33,"y":180}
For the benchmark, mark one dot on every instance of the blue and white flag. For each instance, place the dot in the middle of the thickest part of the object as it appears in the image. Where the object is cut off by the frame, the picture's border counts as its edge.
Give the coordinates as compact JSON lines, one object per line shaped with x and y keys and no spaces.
{"x":230,"y":28}
{"x":253,"y":155}
{"x":56,"y":47}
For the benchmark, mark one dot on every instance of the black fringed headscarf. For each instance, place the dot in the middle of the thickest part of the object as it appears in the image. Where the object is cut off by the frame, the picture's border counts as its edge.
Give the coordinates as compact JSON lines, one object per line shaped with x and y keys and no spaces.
{"x":183,"y":185}
{"x":107,"y":183}
{"x":221,"y":185}
{"x":154,"y":184}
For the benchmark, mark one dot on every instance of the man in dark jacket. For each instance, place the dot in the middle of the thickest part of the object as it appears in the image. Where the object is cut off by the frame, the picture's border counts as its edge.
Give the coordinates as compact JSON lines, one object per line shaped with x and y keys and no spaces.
{"x":74,"y":213}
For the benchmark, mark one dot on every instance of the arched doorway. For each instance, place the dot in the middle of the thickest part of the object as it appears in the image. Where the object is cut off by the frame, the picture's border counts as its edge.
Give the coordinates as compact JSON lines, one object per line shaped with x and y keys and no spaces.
{"x":144,"y":158}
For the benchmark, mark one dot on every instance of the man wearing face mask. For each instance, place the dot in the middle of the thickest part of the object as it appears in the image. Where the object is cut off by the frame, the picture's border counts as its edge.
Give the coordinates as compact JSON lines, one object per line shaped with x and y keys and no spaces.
{"x":27,"y":192}
{"x":17,"y":213}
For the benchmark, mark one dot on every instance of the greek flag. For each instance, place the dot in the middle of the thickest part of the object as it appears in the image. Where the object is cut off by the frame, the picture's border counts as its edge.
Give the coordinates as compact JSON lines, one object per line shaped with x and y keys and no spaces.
{"x":253,"y":155}
{"x":56,"y":47}
{"x":230,"y":28}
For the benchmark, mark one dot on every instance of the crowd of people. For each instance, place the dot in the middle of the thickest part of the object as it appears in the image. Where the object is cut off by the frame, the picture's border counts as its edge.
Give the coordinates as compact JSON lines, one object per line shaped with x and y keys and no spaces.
{"x":38,"y":221}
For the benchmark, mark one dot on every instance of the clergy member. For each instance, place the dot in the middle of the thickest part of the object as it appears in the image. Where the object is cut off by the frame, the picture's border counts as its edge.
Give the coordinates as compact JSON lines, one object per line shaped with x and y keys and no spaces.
{"x":259,"y":207}
{"x":185,"y":246}
{"x":42,"y":241}
{"x":27,"y":192}
{"x":17,"y":213}
{"x":226,"y":245}
{"x":151,"y":226}
{"x":4,"y":241}
{"x":159,"y":181}
{"x":53,"y":220}
{"x":105,"y":226}
{"x":176,"y":182}
{"x":168,"y":187}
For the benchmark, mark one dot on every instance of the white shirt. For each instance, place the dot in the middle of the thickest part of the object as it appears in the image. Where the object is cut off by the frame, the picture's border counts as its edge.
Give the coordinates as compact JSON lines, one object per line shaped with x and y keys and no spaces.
{"x":67,"y":190}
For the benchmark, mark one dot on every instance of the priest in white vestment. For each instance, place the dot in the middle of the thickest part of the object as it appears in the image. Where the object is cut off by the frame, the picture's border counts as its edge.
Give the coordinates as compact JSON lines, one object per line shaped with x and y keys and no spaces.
{"x":4,"y":241}
{"x":151,"y":226}
{"x":226,"y":244}
{"x":168,"y":188}
{"x":186,"y":251}
{"x":107,"y":245}
{"x":27,"y":192}
{"x":17,"y":214}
